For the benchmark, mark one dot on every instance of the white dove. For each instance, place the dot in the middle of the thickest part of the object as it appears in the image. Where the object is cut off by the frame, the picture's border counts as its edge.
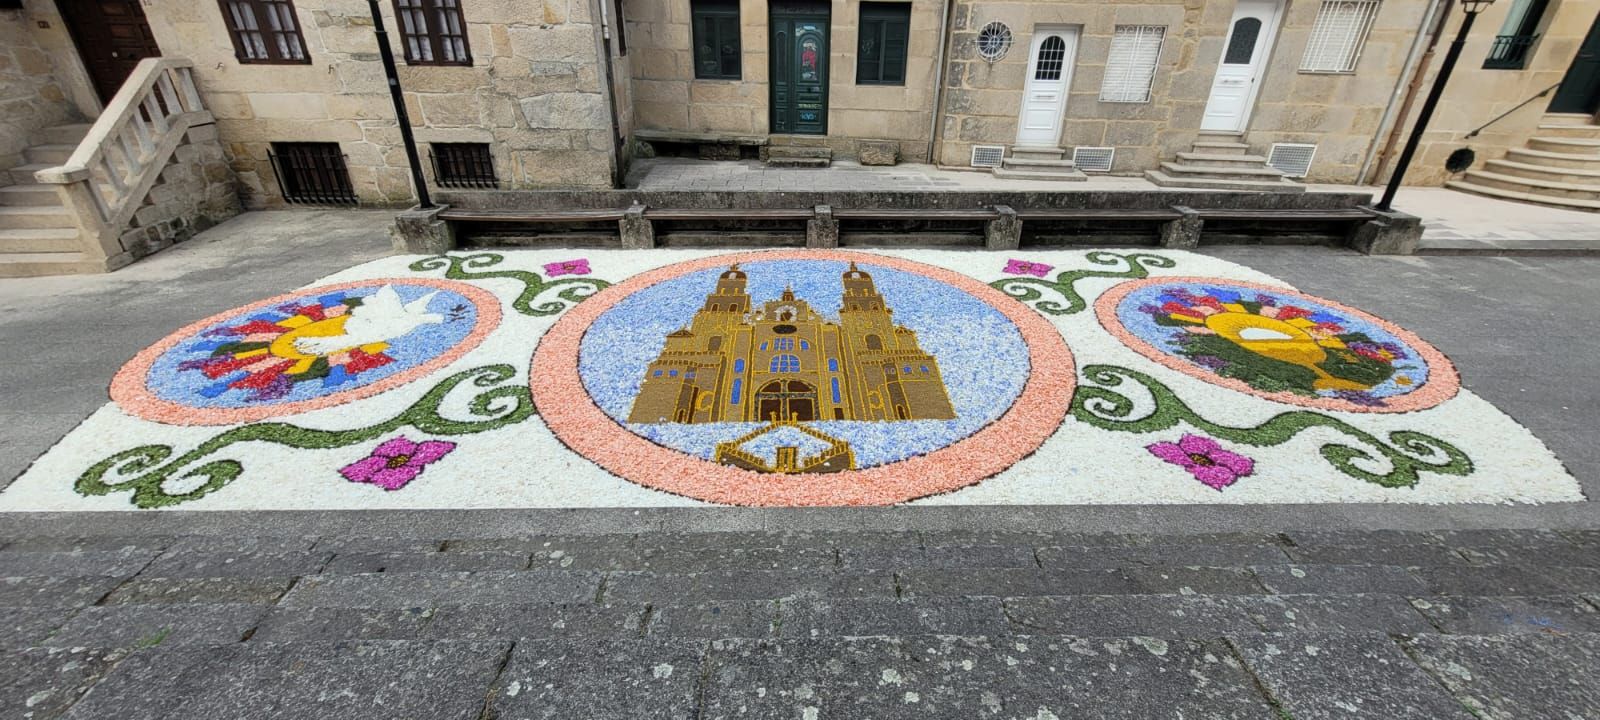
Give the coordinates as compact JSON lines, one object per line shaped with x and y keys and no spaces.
{"x":380,"y":317}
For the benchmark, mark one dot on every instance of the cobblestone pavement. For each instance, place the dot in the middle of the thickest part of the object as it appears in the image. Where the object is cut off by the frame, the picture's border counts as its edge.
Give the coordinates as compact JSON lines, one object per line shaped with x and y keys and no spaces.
{"x":1303,"y":625}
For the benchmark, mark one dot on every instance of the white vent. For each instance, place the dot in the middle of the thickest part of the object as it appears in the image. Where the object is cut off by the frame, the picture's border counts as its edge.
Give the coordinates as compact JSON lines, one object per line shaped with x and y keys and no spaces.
{"x":988,"y":156}
{"x":1093,"y":159}
{"x":1294,"y":159}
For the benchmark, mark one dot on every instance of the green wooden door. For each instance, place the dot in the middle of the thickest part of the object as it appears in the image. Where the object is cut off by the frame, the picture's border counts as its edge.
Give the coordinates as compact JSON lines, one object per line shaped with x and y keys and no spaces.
{"x":799,"y":68}
{"x":1580,"y":91}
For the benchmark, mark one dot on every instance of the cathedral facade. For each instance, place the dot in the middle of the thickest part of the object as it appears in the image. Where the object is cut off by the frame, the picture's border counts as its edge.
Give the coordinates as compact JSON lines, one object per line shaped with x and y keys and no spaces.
{"x":784,"y":362}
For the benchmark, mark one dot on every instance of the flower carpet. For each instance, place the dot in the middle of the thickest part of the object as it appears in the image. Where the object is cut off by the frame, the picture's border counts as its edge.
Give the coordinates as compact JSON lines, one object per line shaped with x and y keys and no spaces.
{"x":603,"y":378}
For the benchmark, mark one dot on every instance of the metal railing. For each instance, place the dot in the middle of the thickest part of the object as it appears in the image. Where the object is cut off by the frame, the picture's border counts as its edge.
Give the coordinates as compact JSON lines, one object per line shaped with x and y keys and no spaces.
{"x":1519,"y":106}
{"x":1509,"y":52}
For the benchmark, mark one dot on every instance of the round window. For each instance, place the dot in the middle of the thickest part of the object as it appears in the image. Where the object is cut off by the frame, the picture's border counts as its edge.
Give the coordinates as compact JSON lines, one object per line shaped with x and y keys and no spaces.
{"x":993,"y":41}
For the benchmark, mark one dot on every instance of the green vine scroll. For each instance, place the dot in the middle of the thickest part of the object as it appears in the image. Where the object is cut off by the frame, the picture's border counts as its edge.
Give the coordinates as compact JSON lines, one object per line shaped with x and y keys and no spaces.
{"x":1132,"y":266}
{"x":470,"y":267}
{"x":144,"y":470}
{"x":1406,"y":453}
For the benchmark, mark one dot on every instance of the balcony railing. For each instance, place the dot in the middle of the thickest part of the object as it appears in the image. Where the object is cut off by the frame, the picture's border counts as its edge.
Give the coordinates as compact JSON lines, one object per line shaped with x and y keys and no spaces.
{"x":1509,"y":52}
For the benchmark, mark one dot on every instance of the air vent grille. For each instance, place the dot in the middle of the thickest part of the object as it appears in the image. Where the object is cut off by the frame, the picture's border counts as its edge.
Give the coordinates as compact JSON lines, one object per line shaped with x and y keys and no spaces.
{"x":1294,"y":159}
{"x":1093,"y":159}
{"x":988,"y":156}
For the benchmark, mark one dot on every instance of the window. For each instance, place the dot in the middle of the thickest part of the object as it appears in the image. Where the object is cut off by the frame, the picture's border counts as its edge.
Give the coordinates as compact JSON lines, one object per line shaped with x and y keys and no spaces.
{"x":833,"y":365}
{"x":783,"y":344}
{"x":1510,"y":48}
{"x":264,"y":31}
{"x":463,"y":165}
{"x":1337,"y":35}
{"x":1052,"y":57}
{"x":716,"y":39}
{"x":433,"y":32}
{"x":881,"y":52}
{"x":835,"y":382}
{"x":733,"y":394}
{"x":1131,"y":64}
{"x":738,"y":366}
{"x":312,"y":173}
{"x":1242,"y":42}
{"x":785,"y":364}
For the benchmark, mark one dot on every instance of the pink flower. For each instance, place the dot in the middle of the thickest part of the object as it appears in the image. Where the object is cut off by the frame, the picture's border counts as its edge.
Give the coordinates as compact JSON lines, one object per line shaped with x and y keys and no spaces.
{"x":1023,"y":267}
{"x":396,"y":462}
{"x":567,"y":267}
{"x":1205,"y":459}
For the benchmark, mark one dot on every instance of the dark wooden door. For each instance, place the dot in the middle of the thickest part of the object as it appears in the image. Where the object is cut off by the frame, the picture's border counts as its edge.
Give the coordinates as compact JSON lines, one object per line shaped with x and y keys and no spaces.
{"x":799,"y":52}
{"x":112,"y":37}
{"x":1580,"y":91}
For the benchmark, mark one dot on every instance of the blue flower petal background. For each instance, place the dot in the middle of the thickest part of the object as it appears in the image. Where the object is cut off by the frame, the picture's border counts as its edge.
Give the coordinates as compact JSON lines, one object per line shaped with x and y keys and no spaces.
{"x":983,"y":357}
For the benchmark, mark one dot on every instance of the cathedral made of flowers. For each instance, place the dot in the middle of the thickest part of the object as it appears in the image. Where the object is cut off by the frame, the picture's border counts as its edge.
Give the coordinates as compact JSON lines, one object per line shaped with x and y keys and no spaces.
{"x":783,"y":362}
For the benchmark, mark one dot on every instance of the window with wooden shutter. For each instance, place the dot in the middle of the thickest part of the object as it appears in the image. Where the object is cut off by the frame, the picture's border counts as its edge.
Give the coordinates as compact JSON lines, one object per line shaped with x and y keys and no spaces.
{"x":1337,"y":36}
{"x":433,"y":32}
{"x":1131,"y":65}
{"x":716,"y":39}
{"x":265,"y":31}
{"x":881,"y":51}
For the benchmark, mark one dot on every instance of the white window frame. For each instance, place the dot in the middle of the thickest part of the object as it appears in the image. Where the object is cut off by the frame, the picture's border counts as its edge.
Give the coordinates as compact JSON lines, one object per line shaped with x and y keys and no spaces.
{"x":1337,"y":50}
{"x":1127,"y":78}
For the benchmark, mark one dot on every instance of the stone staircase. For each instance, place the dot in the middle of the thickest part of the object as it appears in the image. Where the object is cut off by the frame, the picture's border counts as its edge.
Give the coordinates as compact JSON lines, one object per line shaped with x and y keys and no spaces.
{"x":39,"y":235}
{"x":1559,"y":167}
{"x":1222,"y":161}
{"x":799,"y":156}
{"x":1029,"y":162}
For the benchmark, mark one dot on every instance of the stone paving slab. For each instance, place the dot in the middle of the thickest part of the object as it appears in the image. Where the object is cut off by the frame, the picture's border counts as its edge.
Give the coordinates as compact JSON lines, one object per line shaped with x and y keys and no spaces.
{"x":41,"y":683}
{"x":1339,"y":613}
{"x":606,"y":680}
{"x":337,"y":624}
{"x":411,"y":562}
{"x":1300,"y":579}
{"x":1180,"y":616}
{"x":745,"y":585}
{"x":113,"y":563}
{"x":523,"y":621}
{"x":403,"y":590}
{"x":212,"y":564}
{"x":1332,"y":676}
{"x":879,"y":616}
{"x":141,"y":626}
{"x":262,"y":591}
{"x":29,"y":626}
{"x":718,"y":619}
{"x":55,"y":592}
{"x":1523,"y":676}
{"x":1509,"y":615}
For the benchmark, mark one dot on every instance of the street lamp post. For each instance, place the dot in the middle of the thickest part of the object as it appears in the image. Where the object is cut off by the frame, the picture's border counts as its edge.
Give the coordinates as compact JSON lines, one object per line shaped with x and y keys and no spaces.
{"x":399,"y":98}
{"x":1472,"y":7}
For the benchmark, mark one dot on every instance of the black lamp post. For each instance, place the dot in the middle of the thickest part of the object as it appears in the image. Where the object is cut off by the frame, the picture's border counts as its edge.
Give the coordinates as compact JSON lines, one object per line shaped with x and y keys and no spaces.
{"x":1473,"y":7}
{"x":399,"y":98}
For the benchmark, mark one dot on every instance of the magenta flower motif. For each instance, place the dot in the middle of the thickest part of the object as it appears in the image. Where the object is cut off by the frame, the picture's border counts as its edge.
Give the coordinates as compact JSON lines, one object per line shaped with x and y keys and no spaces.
{"x":1024,"y":267}
{"x":1205,"y":459}
{"x":396,"y":462}
{"x":567,"y":267}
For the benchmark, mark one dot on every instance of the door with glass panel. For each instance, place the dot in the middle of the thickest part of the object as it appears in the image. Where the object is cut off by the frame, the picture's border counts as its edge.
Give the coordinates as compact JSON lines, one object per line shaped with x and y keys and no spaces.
{"x":1044,"y":97}
{"x":1243,"y":63}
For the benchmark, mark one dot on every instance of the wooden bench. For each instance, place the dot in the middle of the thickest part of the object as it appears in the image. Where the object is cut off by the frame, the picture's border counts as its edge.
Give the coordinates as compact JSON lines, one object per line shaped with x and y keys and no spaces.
{"x":1276,"y":214}
{"x":596,"y":215}
{"x":983,"y":213}
{"x":1159,"y":214}
{"x":729,"y":213}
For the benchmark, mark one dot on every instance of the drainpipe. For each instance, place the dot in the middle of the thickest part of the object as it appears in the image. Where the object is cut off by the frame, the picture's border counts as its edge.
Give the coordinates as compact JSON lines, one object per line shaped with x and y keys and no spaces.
{"x":938,"y":82}
{"x":1432,"y":27}
{"x":610,"y":80}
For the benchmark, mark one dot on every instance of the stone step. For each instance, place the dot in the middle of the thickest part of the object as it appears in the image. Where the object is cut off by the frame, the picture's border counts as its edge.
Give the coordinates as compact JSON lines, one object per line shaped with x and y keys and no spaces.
{"x":1520,"y":196}
{"x":1217,"y":147}
{"x":1549,"y":188}
{"x":71,"y":134}
{"x":17,"y":265}
{"x":29,"y":195}
{"x":1037,"y":152}
{"x":39,"y":216}
{"x":1567,"y":119}
{"x":23,"y":174}
{"x":1275,"y":186}
{"x":1027,"y":164}
{"x":798,"y":162}
{"x":1216,"y":134}
{"x":1569,"y":131}
{"x":39,"y":240}
{"x":1544,"y":172}
{"x":1553,"y":159}
{"x":51,"y":154}
{"x":1571,"y":146}
{"x":1221,"y":172}
{"x":1227,"y":159}
{"x":799,"y":151}
{"x":1064,"y":175}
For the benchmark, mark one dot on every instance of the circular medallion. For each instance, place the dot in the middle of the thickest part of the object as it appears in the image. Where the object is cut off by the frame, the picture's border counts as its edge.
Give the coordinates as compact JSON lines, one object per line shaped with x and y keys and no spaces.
{"x":1278,"y":344}
{"x":802,"y":378}
{"x":305,"y":350}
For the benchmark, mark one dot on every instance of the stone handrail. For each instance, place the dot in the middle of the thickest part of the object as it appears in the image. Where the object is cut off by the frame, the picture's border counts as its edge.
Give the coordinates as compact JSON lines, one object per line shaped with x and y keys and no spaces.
{"x":107,"y":177}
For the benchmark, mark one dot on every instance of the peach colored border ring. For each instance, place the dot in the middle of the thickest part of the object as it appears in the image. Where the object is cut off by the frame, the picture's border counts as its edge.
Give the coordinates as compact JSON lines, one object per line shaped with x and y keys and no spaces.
{"x":130,"y":391}
{"x":1443,"y":380}
{"x":1038,"y":411}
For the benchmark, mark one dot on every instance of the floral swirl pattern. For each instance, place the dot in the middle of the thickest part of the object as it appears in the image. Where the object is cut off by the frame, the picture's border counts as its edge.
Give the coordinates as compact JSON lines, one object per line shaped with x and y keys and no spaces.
{"x":470,"y":267}
{"x":1031,"y":289}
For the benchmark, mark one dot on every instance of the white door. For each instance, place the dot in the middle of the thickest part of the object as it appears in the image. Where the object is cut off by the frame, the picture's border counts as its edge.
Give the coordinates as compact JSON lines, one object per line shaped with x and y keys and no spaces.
{"x":1244,"y":60}
{"x":1044,"y":98}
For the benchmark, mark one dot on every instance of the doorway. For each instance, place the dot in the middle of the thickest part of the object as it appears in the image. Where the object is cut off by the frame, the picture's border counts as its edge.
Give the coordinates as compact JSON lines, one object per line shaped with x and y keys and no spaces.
{"x":786,"y":400}
{"x":1044,"y":97}
{"x":1243,"y":63}
{"x":1580,"y":90}
{"x":112,"y":37}
{"x":799,"y":67}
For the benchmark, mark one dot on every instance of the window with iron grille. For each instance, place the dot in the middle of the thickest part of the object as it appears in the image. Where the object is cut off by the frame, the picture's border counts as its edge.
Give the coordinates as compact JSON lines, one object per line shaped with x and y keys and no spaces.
{"x":433,"y":32}
{"x":1052,"y":58}
{"x":716,"y":39}
{"x":881,"y":52}
{"x":265,"y":31}
{"x":312,"y":173}
{"x":1337,"y":36}
{"x":1517,"y":35}
{"x":1131,"y":64}
{"x":464,"y":165}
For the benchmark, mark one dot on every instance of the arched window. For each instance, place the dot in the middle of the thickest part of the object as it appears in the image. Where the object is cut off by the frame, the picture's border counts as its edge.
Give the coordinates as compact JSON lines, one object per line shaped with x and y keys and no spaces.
{"x":1242,"y":43}
{"x":836,"y":390}
{"x":874,"y":342}
{"x":1052,"y":56}
{"x":738,"y":366}
{"x":833,"y":364}
{"x":805,"y":345}
{"x":733,"y":395}
{"x":714,"y":344}
{"x":785,"y":364}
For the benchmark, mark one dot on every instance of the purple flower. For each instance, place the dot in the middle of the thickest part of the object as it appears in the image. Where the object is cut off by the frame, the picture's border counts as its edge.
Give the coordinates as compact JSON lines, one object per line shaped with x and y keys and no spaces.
{"x":579,"y":266}
{"x":396,"y":462}
{"x":1023,"y":267}
{"x":1358,"y":397}
{"x":1205,"y":459}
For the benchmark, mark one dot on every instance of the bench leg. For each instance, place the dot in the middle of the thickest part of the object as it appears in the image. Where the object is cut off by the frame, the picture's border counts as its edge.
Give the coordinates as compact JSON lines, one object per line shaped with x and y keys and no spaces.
{"x":1387,"y":233}
{"x":1183,"y":233}
{"x":822,"y":230}
{"x":422,"y":231}
{"x":1003,"y":232}
{"x":637,"y":232}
